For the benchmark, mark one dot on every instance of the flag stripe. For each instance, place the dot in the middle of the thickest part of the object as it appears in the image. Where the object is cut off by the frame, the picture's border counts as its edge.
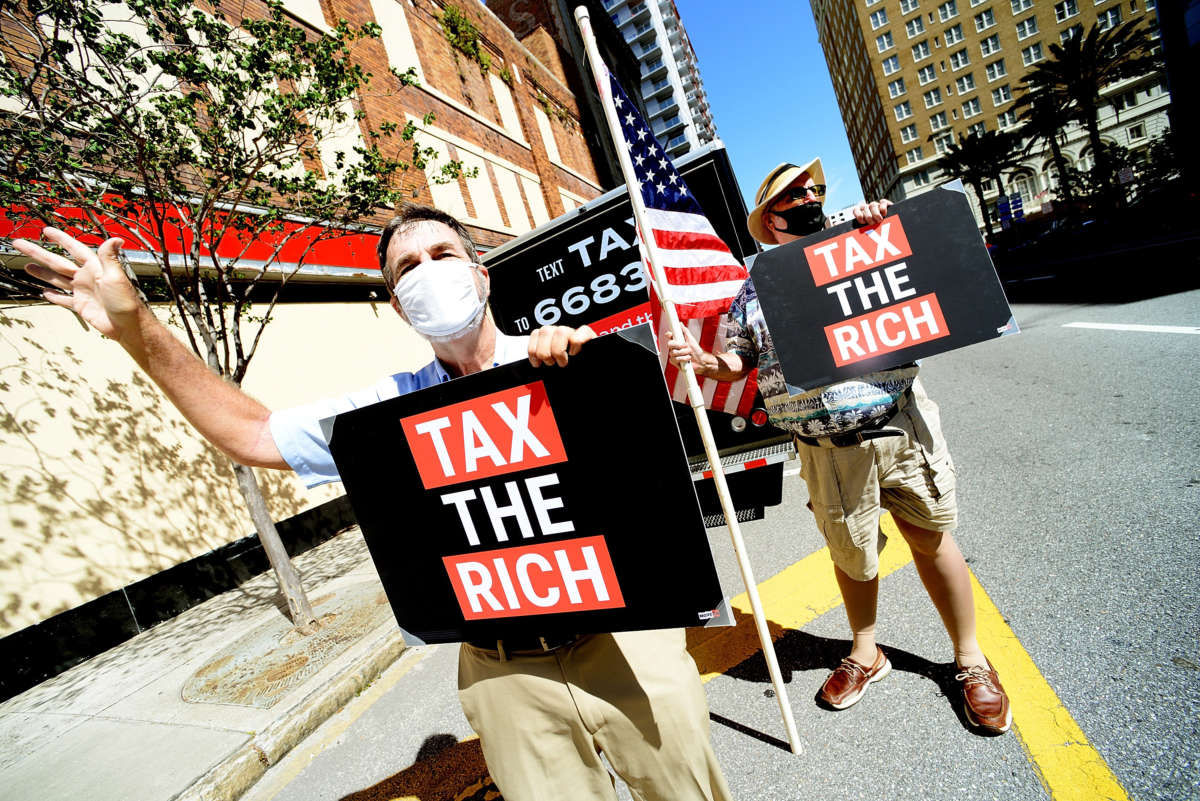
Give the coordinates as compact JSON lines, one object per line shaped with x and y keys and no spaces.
{"x":702,"y":275}
{"x":690,"y":240}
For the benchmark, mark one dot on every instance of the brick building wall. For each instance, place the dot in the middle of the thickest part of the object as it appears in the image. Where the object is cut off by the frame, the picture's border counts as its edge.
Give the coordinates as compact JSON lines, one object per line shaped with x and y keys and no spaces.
{"x":516,"y":124}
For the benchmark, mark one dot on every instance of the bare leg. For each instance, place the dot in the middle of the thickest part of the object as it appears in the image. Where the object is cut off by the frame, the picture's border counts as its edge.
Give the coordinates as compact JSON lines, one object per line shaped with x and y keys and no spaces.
{"x":943,"y":571}
{"x":860,"y":598}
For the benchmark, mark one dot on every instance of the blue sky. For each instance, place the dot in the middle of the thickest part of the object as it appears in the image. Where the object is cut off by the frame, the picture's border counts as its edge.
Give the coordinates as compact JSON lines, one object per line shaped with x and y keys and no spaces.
{"x":770,"y":91}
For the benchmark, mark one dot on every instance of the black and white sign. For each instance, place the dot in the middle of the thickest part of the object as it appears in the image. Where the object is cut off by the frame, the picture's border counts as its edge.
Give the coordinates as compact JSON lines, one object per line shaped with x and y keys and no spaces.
{"x":525,"y":502}
{"x":851,"y":300}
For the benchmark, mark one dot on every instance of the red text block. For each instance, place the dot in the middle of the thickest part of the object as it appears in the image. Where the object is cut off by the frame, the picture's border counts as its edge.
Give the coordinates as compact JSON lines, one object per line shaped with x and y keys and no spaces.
{"x":500,"y":433}
{"x":889,"y":329}
{"x":547,"y":578}
{"x":858,"y":250}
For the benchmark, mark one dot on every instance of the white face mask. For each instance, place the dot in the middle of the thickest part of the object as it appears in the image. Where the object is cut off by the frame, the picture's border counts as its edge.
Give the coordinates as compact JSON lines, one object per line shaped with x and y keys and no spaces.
{"x":441,"y":298}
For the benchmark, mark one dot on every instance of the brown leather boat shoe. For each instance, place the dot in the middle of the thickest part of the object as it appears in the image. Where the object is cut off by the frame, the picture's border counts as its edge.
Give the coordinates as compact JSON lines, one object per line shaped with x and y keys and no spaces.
{"x":849,"y":680}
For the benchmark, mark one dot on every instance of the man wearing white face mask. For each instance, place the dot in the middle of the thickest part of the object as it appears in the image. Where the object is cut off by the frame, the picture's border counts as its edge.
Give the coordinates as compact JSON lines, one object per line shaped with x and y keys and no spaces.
{"x":545,"y":708}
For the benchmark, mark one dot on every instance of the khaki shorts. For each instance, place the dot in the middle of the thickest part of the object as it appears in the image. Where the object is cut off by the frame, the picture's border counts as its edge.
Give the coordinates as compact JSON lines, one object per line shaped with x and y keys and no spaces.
{"x":911,"y":476}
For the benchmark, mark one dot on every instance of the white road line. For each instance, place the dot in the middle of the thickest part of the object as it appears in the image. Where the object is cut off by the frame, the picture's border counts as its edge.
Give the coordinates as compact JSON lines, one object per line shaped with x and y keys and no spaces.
{"x":1151,"y":329}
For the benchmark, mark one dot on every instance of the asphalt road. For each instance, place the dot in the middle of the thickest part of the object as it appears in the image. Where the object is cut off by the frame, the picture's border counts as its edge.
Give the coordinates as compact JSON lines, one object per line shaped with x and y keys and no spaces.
{"x":1079,"y":482}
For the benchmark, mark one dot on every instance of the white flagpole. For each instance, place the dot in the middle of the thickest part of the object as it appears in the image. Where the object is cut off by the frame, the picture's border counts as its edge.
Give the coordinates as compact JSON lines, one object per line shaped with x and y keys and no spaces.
{"x":695,"y":397}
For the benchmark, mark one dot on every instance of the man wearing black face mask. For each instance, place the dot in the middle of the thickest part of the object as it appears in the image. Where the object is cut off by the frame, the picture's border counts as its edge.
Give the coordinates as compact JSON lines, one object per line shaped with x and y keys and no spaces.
{"x":871,"y":443}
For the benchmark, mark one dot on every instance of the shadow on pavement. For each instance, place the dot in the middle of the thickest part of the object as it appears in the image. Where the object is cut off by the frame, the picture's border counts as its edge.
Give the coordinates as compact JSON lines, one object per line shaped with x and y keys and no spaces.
{"x":1110,"y":271}
{"x":445,"y":770}
{"x":799,"y":651}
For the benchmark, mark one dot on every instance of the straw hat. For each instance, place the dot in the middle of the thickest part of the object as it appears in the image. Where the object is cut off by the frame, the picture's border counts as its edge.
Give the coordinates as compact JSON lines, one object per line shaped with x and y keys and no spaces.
{"x":778,"y":180}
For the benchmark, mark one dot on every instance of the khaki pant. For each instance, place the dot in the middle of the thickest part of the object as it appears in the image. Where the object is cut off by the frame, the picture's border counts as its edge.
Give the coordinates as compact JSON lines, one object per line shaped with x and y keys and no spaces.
{"x":910,"y":475}
{"x":636,"y":696}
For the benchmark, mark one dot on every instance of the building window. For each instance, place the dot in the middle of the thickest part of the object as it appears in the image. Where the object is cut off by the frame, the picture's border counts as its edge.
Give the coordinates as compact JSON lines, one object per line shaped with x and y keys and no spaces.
{"x":978,"y":129}
{"x":871,"y":3}
{"x":971,"y":108}
{"x":896,"y":87}
{"x":954,"y":35}
{"x":938,"y":121}
{"x":948,"y":10}
{"x":965,"y":83}
{"x":908,"y":6}
{"x":990,"y":44}
{"x":908,"y":133}
{"x":914,"y":26}
{"x":921,"y":178}
{"x":1027,"y":28}
{"x":933,"y":97}
{"x":926,"y":75}
{"x":1136,"y":132}
{"x":1125,"y":100}
{"x":1108,"y":19}
{"x":995,"y":70}
{"x":884,"y":42}
{"x":1065,"y":10}
{"x":1070,"y":33}
{"x":1001,"y":95}
{"x":985,"y":20}
{"x":920,"y":50}
{"x":1020,"y":5}
{"x":1006,"y":119}
{"x":891,"y":64}
{"x":943,"y":142}
{"x":1031,"y":54}
{"x":914,"y":155}
{"x":878,"y":18}
{"x":959,"y":59}
{"x":903,"y":110}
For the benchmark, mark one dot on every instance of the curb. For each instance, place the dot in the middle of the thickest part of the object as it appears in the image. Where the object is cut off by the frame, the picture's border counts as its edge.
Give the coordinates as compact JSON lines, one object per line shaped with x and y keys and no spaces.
{"x":227,"y":779}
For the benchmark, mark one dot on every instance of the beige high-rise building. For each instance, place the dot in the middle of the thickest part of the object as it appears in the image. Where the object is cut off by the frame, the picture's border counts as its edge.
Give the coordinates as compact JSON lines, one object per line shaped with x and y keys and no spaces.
{"x":912,"y":75}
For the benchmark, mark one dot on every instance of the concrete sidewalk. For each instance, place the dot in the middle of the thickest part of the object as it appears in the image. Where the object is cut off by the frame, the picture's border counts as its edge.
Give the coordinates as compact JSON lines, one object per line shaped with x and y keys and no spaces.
{"x":199,"y":707}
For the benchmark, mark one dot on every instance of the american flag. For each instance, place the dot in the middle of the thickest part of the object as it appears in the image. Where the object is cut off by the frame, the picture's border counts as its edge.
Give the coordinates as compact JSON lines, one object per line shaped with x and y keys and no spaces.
{"x":702,"y":274}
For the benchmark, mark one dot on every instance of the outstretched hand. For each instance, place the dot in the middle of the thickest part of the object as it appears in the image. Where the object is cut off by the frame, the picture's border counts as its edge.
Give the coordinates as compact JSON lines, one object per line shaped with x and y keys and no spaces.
{"x":91,"y":283}
{"x":555,"y":344}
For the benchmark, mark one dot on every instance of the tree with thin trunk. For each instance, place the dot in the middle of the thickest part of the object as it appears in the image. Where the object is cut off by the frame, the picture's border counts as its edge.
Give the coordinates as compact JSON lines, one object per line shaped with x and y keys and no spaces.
{"x":977,"y":158}
{"x":1080,"y":67}
{"x":225,"y":150}
{"x":1045,"y":117}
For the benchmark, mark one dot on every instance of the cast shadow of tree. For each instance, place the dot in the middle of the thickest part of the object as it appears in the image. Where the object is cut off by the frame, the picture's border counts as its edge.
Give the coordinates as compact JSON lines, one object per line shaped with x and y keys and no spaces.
{"x":103,"y":484}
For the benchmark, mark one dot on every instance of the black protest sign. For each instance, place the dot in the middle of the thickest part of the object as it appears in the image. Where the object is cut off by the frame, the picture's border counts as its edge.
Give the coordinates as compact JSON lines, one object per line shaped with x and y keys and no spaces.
{"x":523,"y":502}
{"x":585,"y":268}
{"x":851,"y":300}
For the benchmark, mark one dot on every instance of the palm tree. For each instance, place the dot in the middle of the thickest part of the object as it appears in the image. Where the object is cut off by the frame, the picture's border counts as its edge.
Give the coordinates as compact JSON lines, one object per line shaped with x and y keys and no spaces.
{"x":1083,"y":65}
{"x":1045,"y":115}
{"x":978,"y":157}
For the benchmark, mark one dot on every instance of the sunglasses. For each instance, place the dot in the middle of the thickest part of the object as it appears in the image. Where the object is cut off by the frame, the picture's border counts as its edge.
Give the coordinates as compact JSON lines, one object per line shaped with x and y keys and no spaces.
{"x":801,"y":192}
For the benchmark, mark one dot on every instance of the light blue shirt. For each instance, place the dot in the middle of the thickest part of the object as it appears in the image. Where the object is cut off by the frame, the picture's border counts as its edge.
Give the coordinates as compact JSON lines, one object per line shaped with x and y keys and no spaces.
{"x":297,"y":431}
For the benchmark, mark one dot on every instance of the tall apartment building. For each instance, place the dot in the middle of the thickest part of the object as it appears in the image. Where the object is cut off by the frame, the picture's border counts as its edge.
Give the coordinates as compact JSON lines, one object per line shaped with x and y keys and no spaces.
{"x":910,"y":76}
{"x":677,"y":105}
{"x":667,"y":75}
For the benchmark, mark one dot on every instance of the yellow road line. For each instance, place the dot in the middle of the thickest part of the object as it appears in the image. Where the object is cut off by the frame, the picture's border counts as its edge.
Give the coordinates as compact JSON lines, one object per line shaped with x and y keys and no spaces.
{"x":791,"y":599}
{"x":1067,"y":764}
{"x":1069,"y":767}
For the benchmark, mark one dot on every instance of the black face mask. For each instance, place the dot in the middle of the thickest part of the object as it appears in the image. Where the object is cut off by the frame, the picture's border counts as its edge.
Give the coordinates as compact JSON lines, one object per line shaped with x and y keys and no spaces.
{"x":802,"y":220}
